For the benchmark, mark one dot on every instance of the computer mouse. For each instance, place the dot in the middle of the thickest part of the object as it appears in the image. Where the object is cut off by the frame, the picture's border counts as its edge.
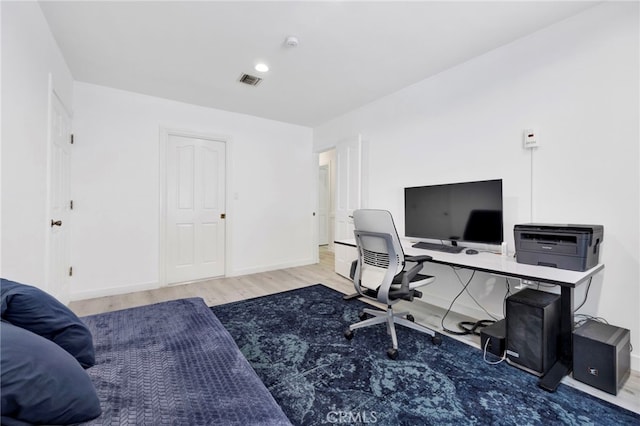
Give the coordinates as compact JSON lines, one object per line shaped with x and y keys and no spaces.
{"x":471,"y":251}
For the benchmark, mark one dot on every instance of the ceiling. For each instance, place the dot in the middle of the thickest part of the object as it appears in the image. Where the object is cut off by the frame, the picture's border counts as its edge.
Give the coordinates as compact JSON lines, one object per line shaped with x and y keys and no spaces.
{"x":349,"y":54}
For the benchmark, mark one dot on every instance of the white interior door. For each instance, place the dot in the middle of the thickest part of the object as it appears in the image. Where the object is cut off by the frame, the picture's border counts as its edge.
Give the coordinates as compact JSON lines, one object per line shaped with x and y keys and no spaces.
{"x":59,"y":251}
{"x":348,"y":186}
{"x":195,"y":209}
{"x":324,"y":192}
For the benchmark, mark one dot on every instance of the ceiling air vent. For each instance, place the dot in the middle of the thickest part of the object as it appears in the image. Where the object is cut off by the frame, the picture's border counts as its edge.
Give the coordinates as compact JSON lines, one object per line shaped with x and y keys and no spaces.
{"x":251,"y":80}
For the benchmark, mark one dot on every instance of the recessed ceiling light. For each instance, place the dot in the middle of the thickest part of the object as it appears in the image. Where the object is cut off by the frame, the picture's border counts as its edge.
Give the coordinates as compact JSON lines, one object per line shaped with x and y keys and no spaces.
{"x":262,"y":67}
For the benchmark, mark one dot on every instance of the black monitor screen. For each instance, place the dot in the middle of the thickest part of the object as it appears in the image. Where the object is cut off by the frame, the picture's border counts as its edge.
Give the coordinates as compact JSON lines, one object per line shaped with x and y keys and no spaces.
{"x":468,"y":211}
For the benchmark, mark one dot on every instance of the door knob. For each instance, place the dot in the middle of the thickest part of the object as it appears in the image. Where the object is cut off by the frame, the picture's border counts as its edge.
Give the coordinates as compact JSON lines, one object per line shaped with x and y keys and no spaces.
{"x":56,"y":223}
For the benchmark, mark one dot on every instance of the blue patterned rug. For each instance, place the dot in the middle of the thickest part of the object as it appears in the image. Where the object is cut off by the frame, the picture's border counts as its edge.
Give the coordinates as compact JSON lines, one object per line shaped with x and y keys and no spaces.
{"x":294,"y":342}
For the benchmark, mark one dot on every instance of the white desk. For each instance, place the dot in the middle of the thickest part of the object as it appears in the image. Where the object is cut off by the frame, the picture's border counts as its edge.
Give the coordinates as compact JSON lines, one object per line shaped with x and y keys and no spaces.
{"x":508,"y":267}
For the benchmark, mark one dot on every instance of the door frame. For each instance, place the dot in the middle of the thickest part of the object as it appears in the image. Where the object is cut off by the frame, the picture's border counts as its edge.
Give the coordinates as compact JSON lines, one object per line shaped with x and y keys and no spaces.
{"x":364,"y":180}
{"x":344,"y":213}
{"x":165,"y":133}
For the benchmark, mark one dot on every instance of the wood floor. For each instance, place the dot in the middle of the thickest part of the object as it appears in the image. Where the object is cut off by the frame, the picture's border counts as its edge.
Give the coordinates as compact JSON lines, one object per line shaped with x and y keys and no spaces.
{"x":225,"y":290}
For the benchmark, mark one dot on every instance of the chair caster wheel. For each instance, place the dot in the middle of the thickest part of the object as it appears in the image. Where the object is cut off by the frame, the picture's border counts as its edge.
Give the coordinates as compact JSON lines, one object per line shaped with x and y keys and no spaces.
{"x":436,"y":340}
{"x":411,"y":318}
{"x":348,"y":334}
{"x":362,"y":315}
{"x":392,"y":354}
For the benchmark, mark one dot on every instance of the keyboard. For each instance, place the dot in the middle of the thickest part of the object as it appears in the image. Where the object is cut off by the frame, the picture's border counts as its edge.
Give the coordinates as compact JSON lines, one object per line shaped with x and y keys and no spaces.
{"x":438,"y":247}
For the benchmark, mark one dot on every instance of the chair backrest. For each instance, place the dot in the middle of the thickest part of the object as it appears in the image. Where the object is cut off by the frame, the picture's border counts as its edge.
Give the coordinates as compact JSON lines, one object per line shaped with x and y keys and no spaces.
{"x":380,"y":255}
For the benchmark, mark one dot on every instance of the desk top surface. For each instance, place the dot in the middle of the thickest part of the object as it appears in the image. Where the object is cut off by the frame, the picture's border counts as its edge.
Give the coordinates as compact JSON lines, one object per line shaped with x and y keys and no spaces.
{"x":501,"y":265}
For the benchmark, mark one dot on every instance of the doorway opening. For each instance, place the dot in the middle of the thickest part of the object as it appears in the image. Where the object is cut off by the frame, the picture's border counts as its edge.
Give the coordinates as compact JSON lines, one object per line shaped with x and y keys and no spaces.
{"x":326,"y":199}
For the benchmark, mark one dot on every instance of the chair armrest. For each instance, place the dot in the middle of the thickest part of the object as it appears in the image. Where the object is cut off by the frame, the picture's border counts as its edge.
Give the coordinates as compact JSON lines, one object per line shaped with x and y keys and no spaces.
{"x":409,"y":274}
{"x":418,"y":259}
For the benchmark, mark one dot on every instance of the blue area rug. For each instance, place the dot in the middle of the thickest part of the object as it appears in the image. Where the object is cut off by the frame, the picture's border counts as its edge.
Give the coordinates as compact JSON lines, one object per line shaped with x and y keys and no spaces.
{"x":294,"y":342}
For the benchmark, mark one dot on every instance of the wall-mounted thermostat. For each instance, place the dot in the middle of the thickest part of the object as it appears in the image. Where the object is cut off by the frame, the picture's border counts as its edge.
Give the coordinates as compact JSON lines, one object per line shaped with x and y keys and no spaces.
{"x":530,"y":139}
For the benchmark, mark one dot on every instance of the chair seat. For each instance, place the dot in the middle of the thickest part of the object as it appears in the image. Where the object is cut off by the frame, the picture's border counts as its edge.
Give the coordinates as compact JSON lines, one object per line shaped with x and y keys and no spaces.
{"x":419,"y":280}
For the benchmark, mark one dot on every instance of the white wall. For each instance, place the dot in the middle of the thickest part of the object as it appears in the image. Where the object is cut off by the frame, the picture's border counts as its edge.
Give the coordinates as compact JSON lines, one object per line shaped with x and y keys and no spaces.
{"x":270,"y":189}
{"x":29,"y":56}
{"x":577,"y":84}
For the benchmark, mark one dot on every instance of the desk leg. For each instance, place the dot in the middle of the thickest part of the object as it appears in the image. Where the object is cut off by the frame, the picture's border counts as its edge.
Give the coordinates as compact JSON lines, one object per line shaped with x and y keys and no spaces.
{"x":564,"y":364}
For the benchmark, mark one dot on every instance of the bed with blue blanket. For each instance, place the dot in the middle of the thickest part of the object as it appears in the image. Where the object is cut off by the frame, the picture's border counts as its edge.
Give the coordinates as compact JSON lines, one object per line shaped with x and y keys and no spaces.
{"x":166,"y":363}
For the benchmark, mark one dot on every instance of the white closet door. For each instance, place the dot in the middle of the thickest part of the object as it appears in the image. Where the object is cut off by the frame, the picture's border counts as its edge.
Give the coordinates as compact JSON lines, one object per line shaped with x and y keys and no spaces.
{"x":195,"y":203}
{"x":59,"y":224}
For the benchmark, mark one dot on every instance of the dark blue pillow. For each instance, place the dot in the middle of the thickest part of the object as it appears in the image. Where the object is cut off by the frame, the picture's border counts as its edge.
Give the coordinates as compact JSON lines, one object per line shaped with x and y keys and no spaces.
{"x":32,"y":309}
{"x":42,"y":383}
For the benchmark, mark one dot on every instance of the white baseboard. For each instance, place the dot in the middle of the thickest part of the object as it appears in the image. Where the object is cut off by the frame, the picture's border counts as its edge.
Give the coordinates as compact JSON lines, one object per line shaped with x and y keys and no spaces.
{"x":459,"y":307}
{"x":118,"y":290}
{"x":113,"y":291}
{"x":267,"y":268}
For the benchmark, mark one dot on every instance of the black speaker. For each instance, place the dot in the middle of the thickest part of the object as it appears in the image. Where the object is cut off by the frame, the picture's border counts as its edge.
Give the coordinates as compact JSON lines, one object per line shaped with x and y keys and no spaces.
{"x":533,"y":326}
{"x":492,"y":338}
{"x":601,"y":355}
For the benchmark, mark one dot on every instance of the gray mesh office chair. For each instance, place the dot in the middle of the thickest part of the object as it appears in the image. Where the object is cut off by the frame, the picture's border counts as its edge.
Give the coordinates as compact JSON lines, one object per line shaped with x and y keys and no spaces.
{"x":382,"y":272}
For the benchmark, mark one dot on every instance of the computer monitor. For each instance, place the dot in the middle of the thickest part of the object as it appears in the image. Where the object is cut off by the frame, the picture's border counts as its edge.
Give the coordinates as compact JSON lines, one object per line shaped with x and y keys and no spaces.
{"x":465,"y":211}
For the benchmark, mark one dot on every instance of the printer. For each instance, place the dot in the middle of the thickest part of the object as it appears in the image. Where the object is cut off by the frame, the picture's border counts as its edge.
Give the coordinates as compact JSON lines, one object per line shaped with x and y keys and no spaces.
{"x":573,"y":247}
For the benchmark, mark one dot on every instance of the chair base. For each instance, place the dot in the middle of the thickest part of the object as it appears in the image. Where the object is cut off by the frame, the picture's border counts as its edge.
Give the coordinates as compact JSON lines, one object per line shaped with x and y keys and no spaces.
{"x":391,"y":318}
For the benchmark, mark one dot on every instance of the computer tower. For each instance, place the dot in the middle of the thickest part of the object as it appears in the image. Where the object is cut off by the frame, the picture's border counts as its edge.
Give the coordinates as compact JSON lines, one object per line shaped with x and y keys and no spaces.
{"x":533,"y":326}
{"x":601,"y":355}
